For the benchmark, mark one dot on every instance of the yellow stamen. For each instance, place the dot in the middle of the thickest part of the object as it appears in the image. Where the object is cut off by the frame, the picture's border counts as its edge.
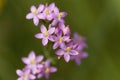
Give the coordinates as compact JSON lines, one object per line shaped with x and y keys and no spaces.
{"x":46,"y":33}
{"x":33,"y":62}
{"x":59,"y":15}
{"x":47,"y":11}
{"x":68,"y":49}
{"x":47,"y":70}
{"x":34,"y":12}
{"x":25,"y":77}
{"x":60,"y":39}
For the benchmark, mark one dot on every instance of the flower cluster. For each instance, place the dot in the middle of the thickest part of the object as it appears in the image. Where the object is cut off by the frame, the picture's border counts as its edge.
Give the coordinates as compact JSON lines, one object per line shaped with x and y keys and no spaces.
{"x":35,"y":67}
{"x":55,"y":31}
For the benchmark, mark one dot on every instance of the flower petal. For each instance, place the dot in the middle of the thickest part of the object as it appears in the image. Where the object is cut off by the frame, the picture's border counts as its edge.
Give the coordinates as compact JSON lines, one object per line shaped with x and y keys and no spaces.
{"x":65,"y":38}
{"x":33,"y":8}
{"x":35,"y":21}
{"x":56,"y":44}
{"x":32,"y":77}
{"x":41,"y":8}
{"x":54,"y":22}
{"x":52,"y":6}
{"x":26,"y":60}
{"x":41,"y":16}
{"x":43,"y":28}
{"x":60,"y":52}
{"x":74,"y":52}
{"x":39,"y":35}
{"x":64,"y":14}
{"x":29,"y":16}
{"x":66,"y":57}
{"x":19,"y":72}
{"x":44,"y":41}
{"x":51,"y":30}
{"x":52,"y":38}
{"x":32,"y":55}
{"x":20,"y":78}
{"x":39,"y":58}
{"x":53,"y":69}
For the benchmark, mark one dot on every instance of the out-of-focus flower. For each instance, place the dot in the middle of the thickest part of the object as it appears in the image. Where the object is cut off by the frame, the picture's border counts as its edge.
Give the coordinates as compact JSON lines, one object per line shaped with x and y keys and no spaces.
{"x":33,"y":61}
{"x":58,"y":16}
{"x":48,"y":69}
{"x":67,"y":51}
{"x":45,"y":35}
{"x":49,"y":10}
{"x":36,"y":14}
{"x":25,"y":75}
{"x":78,"y":57}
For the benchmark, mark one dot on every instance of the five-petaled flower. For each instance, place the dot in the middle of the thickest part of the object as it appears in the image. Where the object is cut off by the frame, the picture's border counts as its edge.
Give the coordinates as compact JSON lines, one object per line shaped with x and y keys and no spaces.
{"x":25,"y":75}
{"x":67,"y":51}
{"x":33,"y":61}
{"x":46,"y":34}
{"x":36,"y":14}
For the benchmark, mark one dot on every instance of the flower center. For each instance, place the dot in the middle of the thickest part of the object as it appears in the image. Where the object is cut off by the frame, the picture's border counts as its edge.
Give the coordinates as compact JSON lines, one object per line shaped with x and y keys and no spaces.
{"x":25,"y":77}
{"x":60,"y":39}
{"x":59,"y":15}
{"x":33,"y":62}
{"x":46,"y":33}
{"x":47,"y":70}
{"x":67,"y":49}
{"x":47,"y":11}
{"x":34,"y":12}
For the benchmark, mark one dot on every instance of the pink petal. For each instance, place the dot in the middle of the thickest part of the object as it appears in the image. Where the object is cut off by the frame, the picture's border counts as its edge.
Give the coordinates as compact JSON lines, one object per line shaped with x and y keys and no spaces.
{"x":56,"y":11}
{"x":52,"y":6}
{"x":73,"y":52}
{"x":43,"y":28}
{"x":54,"y":22}
{"x":39,"y":35}
{"x":51,"y":30}
{"x":53,"y":69}
{"x":32,"y":55}
{"x":60,"y":52}
{"x":41,"y":16}
{"x":19,"y":72}
{"x":40,"y":8}
{"x":32,"y":8}
{"x":65,"y":38}
{"x":44,"y":41}
{"x":29,"y":16}
{"x":56,"y":44}
{"x":26,"y":60}
{"x":66,"y":57}
{"x":36,"y":21}
{"x":39,"y":58}
{"x":20,"y":78}
{"x":32,"y":77}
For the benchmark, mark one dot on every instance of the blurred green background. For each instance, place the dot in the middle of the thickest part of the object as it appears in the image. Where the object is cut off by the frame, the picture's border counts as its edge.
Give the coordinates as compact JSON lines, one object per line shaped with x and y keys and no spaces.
{"x":98,"y":20}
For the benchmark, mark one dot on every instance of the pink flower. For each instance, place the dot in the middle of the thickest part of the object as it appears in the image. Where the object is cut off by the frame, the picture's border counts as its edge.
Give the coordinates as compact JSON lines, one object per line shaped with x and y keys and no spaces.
{"x":49,"y":10}
{"x":58,"y":17}
{"x":25,"y":75}
{"x":33,"y":61}
{"x":45,"y":35}
{"x":36,"y":14}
